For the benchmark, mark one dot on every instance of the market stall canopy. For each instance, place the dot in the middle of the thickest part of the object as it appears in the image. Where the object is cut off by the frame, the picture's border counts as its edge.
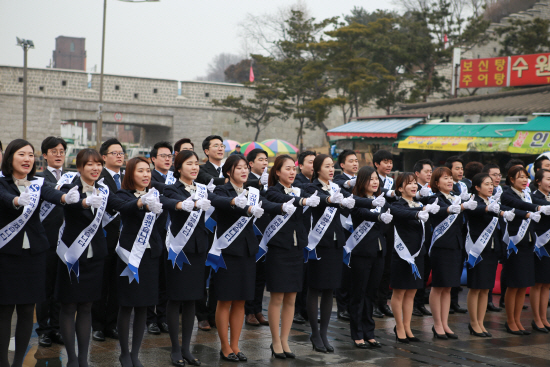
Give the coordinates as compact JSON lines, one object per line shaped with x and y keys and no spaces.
{"x":382,"y":127}
{"x":533,"y":137}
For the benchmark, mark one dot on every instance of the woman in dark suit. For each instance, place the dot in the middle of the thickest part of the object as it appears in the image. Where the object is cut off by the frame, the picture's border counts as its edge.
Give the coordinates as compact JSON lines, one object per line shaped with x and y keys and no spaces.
{"x":409,"y":217}
{"x":446,"y":248}
{"x":366,"y":258}
{"x":184,"y":279}
{"x":482,"y":270}
{"x":519,"y":234}
{"x":235,"y":282}
{"x":325,"y":242}
{"x":22,"y":252}
{"x":139,"y":247}
{"x":78,"y":288}
{"x":285,"y":258}
{"x":540,"y":291}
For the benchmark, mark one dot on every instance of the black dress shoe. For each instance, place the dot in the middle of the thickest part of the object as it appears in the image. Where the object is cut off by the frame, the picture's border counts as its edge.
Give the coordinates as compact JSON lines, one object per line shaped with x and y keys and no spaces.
{"x":316,"y":348}
{"x":298,"y":319}
{"x":491,"y":307}
{"x":513,"y":332}
{"x":404,"y":340}
{"x":163,"y":327}
{"x":57,"y":338}
{"x":360,"y":345}
{"x":425,"y":311}
{"x":386,"y":310}
{"x":44,"y":341}
{"x":344,"y":315}
{"x":416,"y":312}
{"x":451,"y":335}
{"x":377,"y":313}
{"x":456,"y":307}
{"x":178,"y":363}
{"x":439,"y":336}
{"x":153,"y":329}
{"x":277,"y":355}
{"x":98,"y":336}
{"x":113,"y":333}
{"x":329,"y":348}
{"x":376,"y":344}
{"x":525,"y":307}
{"x":539,"y":329}
{"x":289,"y":354}
{"x":193,"y":362}
{"x":242,"y":357}
{"x":231,"y":357}
{"x":475,"y":333}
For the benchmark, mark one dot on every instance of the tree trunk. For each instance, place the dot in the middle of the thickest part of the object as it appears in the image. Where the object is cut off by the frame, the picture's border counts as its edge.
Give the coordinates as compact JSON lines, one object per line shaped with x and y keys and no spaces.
{"x":299,"y":138}
{"x":257,"y":132}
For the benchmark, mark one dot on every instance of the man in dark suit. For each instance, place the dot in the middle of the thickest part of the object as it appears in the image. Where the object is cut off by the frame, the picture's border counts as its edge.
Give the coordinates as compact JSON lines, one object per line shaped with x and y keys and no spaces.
{"x":257,"y":159}
{"x":105,"y":310}
{"x":47,"y":313}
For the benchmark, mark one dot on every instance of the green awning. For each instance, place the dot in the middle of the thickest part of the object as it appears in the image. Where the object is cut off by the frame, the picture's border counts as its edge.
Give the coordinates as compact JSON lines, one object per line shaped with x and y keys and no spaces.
{"x":489,"y":130}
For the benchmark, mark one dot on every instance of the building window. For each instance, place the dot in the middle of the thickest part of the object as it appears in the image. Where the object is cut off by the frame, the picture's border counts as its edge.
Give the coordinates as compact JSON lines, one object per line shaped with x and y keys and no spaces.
{"x":136,"y":95}
{"x":155,"y":90}
{"x":117,"y":87}
{"x":64,"y":83}
{"x":128,"y":127}
{"x":207,"y":94}
{"x":20,"y":79}
{"x":72,"y":46}
{"x":41,"y":88}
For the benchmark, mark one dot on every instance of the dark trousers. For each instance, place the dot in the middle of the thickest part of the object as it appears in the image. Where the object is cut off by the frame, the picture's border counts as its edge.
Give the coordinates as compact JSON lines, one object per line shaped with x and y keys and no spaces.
{"x":205,"y":308}
{"x":343,"y":294}
{"x":365,"y":275}
{"x":384,"y":287}
{"x":255,"y":306}
{"x":419,"y":297}
{"x":47,"y":312}
{"x":105,"y":310}
{"x":301,"y":297}
{"x":157,"y":314}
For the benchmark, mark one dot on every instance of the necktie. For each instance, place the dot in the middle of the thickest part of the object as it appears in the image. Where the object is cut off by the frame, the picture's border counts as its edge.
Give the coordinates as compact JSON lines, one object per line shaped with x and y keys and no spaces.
{"x":57,"y":174}
{"x":116,"y":176}
{"x":219,"y":170}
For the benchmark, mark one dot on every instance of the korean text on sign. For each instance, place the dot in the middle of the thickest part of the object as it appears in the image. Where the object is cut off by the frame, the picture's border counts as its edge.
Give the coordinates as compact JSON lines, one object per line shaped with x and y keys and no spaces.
{"x":482,"y":73}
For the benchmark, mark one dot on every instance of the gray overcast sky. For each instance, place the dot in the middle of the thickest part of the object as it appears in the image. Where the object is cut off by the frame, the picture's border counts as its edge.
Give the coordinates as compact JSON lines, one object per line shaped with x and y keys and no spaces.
{"x":172,"y":39}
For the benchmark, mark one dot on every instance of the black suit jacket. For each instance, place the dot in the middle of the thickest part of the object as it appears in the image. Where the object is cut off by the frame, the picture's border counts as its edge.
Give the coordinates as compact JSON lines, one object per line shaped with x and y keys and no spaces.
{"x":408,"y":226}
{"x":38,"y":241}
{"x":54,"y":220}
{"x":544,"y":225}
{"x":253,"y":181}
{"x":375,"y":240}
{"x":340,"y":180}
{"x":113,"y":228}
{"x":510,"y":199}
{"x":478,"y":219}
{"x":453,"y":237}
{"x":159,"y":183}
{"x":207,"y":172}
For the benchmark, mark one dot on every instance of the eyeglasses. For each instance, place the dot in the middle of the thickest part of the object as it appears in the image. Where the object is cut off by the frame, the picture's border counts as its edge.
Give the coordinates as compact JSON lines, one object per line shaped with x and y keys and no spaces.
{"x":496,"y":175}
{"x":217,"y":146}
{"x":117,"y":154}
{"x":164,"y":156}
{"x":56,"y":152}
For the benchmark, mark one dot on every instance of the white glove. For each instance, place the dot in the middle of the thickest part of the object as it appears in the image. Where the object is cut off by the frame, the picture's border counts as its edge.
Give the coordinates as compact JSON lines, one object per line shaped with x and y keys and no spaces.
{"x":188,"y":205}
{"x":25,"y":198}
{"x":72,"y":196}
{"x":454,"y":209}
{"x":203,"y":204}
{"x":348,"y":202}
{"x":337,"y":197}
{"x":470,"y":204}
{"x":289,"y":207}
{"x":509,"y":215}
{"x":423,"y":216}
{"x":351,"y":183}
{"x":465,"y":196}
{"x":257,"y":210}
{"x":386,"y":217}
{"x":433,"y":208}
{"x":313,"y":200}
{"x":494,"y":207}
{"x":264,"y":178}
{"x":94,"y":200}
{"x":149,"y":198}
{"x":545,"y":209}
{"x":379,"y":201}
{"x":535,"y":216}
{"x":496,"y":197}
{"x":425,"y":191}
{"x":156,"y":207}
{"x":241,"y":200}
{"x":211,"y":186}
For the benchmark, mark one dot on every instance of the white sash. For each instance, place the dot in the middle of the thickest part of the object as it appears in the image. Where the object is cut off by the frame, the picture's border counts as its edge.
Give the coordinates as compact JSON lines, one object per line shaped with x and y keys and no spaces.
{"x":175,"y":245}
{"x":388,"y":183}
{"x":271,"y":230}
{"x":474,"y":250}
{"x":47,"y":207}
{"x":511,"y":241}
{"x":441,"y":229}
{"x":462,"y":187}
{"x":70,"y":255}
{"x":320,"y":228}
{"x":12,"y":229}
{"x":405,"y":254}
{"x":357,"y":236}
{"x":133,"y":258}
{"x":215,"y":258}
{"x":170,"y":179}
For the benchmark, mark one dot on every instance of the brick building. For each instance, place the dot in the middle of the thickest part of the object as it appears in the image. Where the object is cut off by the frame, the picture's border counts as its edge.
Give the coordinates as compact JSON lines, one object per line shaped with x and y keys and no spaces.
{"x":70,"y":53}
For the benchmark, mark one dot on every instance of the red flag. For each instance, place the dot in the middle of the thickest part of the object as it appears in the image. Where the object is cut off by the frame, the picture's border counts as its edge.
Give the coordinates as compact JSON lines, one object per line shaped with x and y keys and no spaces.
{"x":446,"y":39}
{"x":251,"y":77}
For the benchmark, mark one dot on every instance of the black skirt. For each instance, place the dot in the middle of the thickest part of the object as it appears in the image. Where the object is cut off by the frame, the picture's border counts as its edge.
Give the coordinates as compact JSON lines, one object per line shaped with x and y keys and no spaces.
{"x":142,"y":294}
{"x":236,"y":283}
{"x":87,"y":288}
{"x":22,"y":278}
{"x":447,"y":267}
{"x":542,"y":269}
{"x":520,"y":268}
{"x":186,"y":284}
{"x":284,"y":269}
{"x":401,"y":276}
{"x":482,"y":276}
{"x":326,"y":273}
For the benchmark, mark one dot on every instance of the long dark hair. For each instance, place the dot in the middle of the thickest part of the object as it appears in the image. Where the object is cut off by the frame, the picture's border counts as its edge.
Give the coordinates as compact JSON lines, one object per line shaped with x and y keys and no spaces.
{"x":182,"y":156}
{"x":402,"y":180}
{"x":317,"y":164}
{"x":477,"y":180}
{"x":129,"y":183}
{"x":363,"y":180}
{"x":232,"y":162}
{"x":277,"y":165}
{"x":7,"y":161}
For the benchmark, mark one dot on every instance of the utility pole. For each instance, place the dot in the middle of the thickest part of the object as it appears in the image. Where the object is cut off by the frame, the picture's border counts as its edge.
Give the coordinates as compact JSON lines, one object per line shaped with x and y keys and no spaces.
{"x":25,"y":44}
{"x":99,"y":129}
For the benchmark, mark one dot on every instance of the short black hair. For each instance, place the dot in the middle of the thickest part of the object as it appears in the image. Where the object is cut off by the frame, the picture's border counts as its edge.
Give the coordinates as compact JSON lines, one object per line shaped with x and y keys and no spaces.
{"x":381,"y":155}
{"x":538,"y":162}
{"x":454,"y":158}
{"x":7,"y":160}
{"x":472,"y":168}
{"x":419,"y":165}
{"x":104,"y":149}
{"x":51,"y":142}
{"x":343,"y":156}
{"x":179,"y":143}
{"x":303,"y":155}
{"x":206,"y":141}
{"x":511,"y":163}
{"x":180,"y":159}
{"x":251,"y":157}
{"x":157,"y":146}
{"x":489,"y":166}
{"x":230,"y":163}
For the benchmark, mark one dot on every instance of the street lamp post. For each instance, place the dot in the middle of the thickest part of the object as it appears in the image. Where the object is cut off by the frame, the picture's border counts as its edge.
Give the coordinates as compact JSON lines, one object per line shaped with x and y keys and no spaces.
{"x":25,"y":44}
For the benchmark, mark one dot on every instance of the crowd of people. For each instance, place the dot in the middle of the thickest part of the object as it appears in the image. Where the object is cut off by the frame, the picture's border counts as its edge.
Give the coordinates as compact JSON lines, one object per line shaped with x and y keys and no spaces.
{"x":179,"y":241}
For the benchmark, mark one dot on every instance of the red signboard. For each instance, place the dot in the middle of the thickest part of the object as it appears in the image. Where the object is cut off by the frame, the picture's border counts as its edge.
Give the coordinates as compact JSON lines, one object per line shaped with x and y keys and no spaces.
{"x":508,"y":71}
